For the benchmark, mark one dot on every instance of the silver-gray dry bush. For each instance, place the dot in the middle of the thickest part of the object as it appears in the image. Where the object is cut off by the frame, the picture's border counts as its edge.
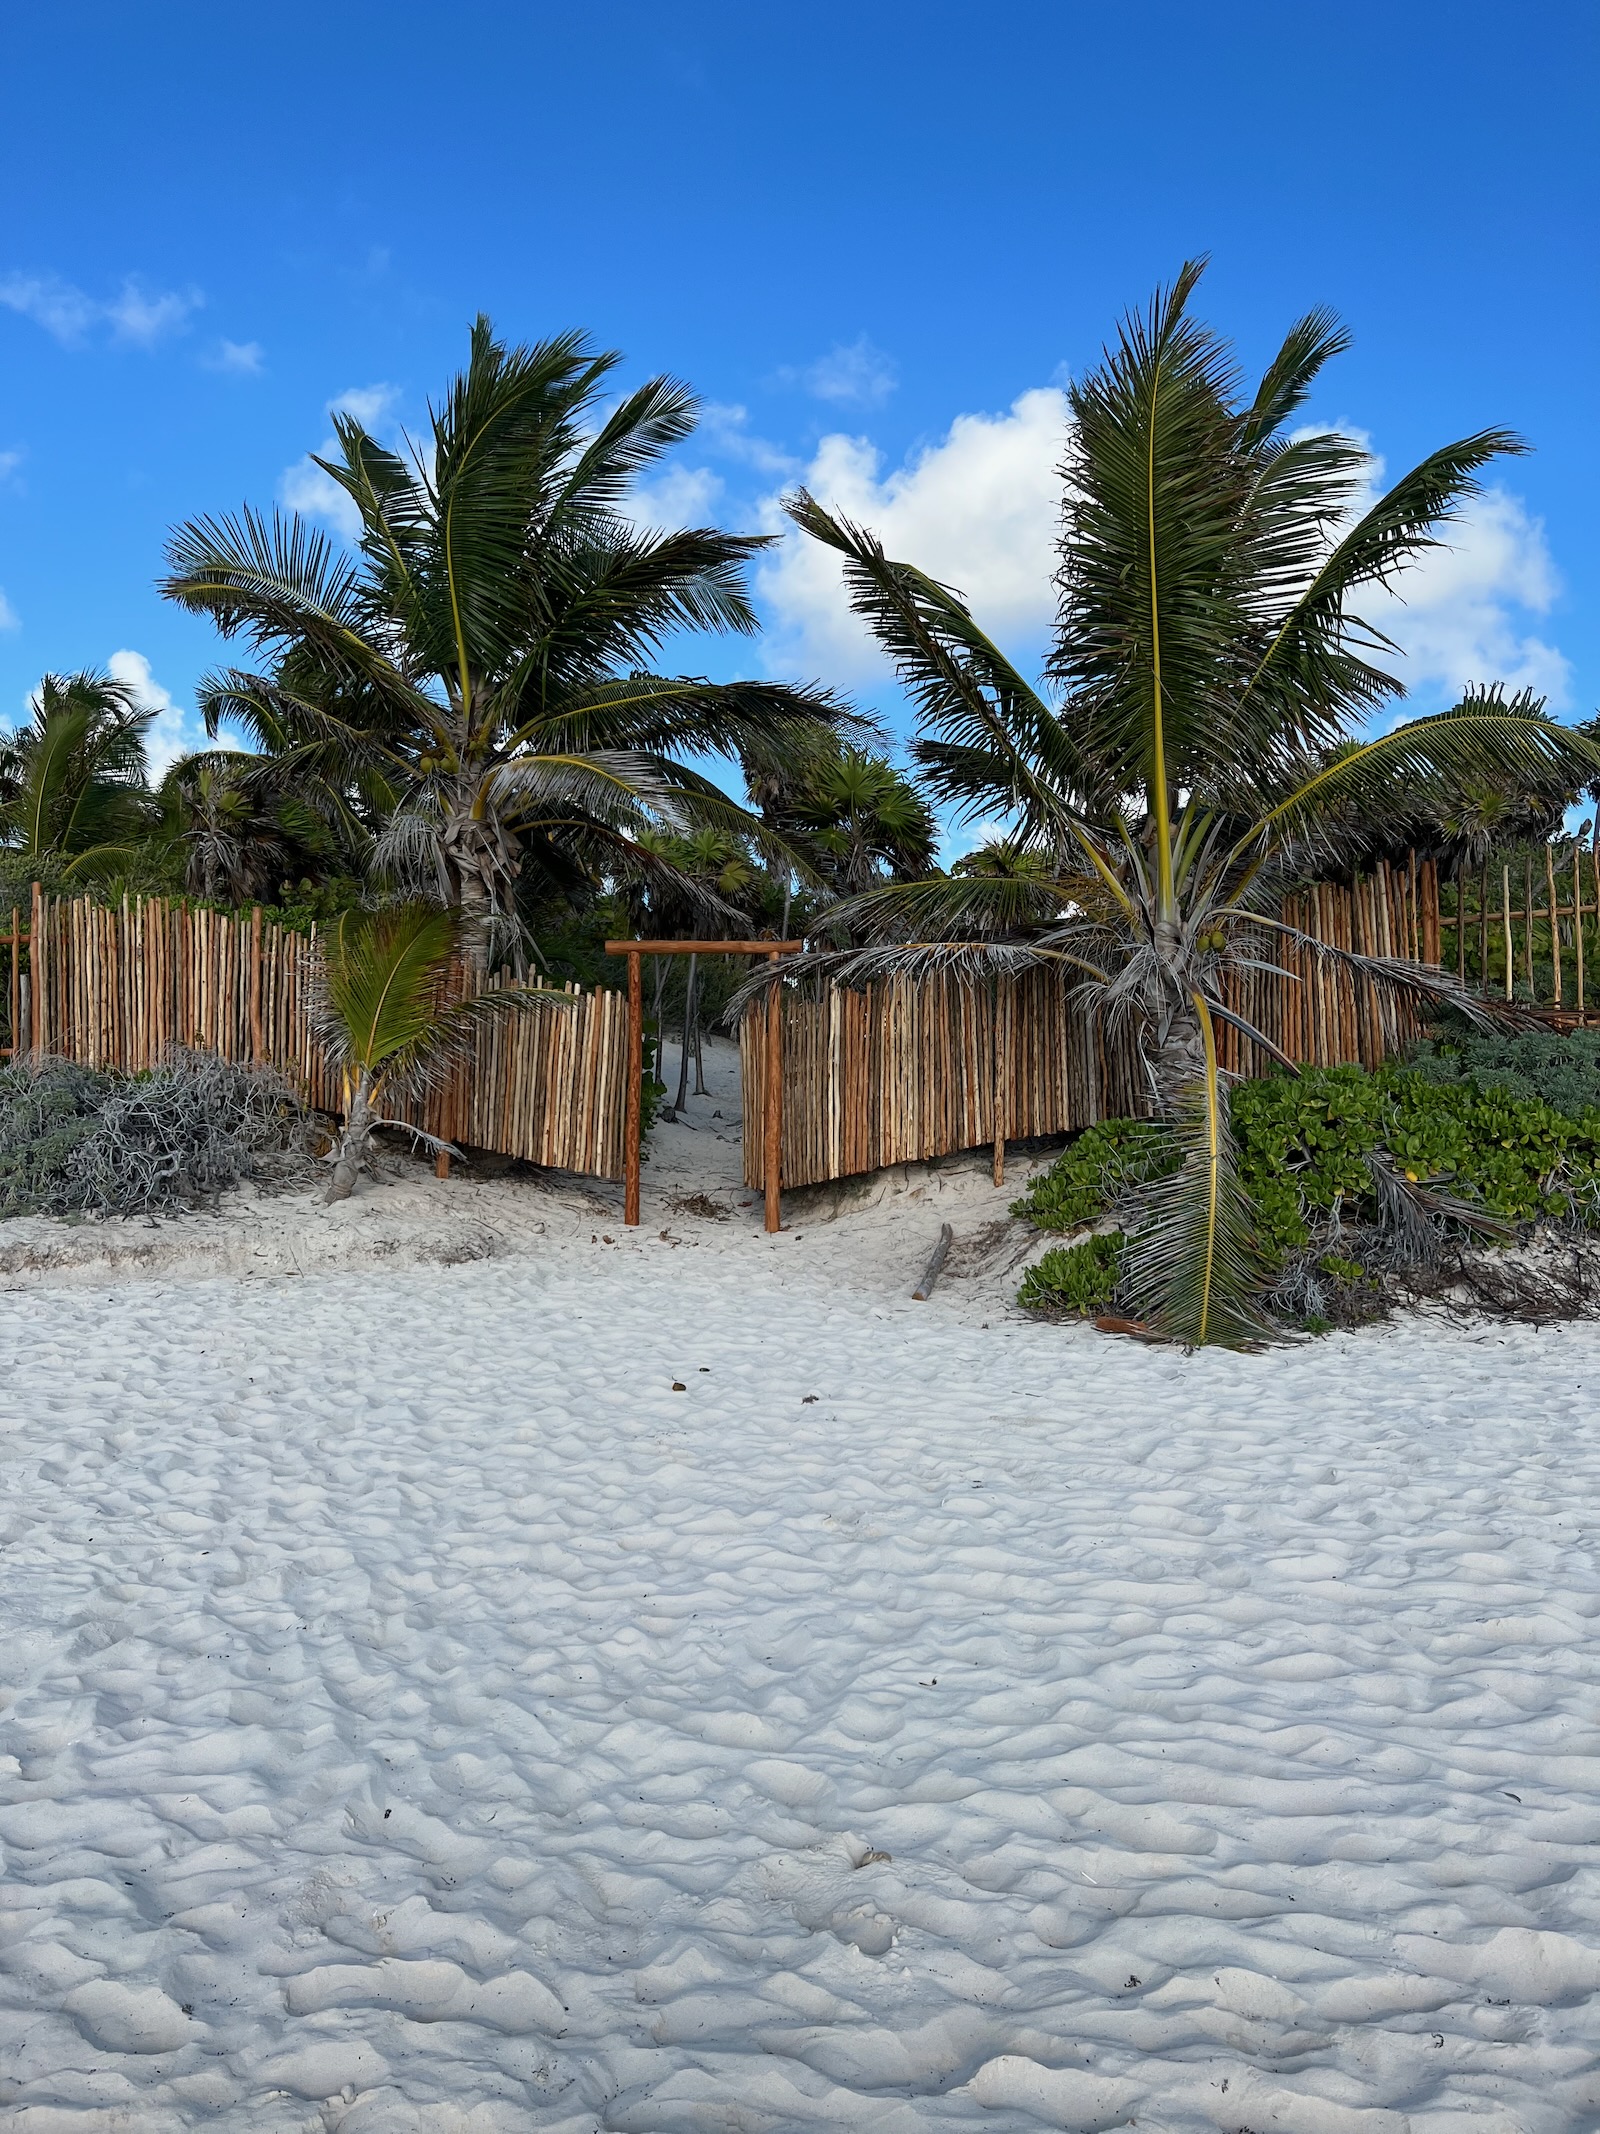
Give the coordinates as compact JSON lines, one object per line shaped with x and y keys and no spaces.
{"x":77,"y":1141}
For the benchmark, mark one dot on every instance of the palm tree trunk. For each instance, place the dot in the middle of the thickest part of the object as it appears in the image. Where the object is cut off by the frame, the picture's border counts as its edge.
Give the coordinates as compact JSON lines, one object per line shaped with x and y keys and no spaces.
{"x":1178,"y":1059}
{"x":354,"y":1142}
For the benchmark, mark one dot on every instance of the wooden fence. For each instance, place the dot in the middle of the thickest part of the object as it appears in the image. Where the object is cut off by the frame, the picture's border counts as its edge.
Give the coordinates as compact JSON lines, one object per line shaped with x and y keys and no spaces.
{"x":1526,"y":925}
{"x":901,"y":1071}
{"x":121,"y":988}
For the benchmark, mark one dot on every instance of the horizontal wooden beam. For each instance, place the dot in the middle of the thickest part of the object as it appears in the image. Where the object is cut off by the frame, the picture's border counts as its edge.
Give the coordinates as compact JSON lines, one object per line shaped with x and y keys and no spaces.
{"x":704,"y":948}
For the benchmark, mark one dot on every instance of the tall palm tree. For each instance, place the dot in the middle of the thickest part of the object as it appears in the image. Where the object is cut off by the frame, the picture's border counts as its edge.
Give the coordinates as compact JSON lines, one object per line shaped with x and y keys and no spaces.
{"x":478,"y":677}
{"x":73,"y":792}
{"x":1191,"y":752}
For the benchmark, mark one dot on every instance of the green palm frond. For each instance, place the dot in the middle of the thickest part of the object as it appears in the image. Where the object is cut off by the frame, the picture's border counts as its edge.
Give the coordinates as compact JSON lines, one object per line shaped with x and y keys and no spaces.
{"x":1190,"y":1268}
{"x":381,"y":1007}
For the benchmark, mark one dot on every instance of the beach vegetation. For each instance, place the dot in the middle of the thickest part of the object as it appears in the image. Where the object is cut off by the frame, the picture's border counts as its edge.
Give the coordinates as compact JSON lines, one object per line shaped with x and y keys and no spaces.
{"x":1195,"y":748}
{"x":388,"y":1022}
{"x":477,"y":684}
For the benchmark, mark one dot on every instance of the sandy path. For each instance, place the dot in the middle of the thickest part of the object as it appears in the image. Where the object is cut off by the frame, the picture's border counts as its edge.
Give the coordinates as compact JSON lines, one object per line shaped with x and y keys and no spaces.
{"x":424,"y":1716}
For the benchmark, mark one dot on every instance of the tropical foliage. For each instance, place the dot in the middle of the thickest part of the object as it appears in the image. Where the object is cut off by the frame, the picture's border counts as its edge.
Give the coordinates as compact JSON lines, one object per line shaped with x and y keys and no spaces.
{"x":73,"y":790}
{"x":478,"y":683}
{"x":1345,"y":1176}
{"x":387,"y":1023}
{"x":1193,"y":749}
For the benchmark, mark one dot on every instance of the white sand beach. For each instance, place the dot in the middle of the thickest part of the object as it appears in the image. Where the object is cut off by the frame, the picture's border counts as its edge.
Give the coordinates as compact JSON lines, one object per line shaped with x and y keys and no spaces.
{"x":469,"y":1668}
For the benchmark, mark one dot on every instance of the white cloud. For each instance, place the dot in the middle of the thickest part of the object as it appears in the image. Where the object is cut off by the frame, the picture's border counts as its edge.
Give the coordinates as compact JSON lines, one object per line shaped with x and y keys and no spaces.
{"x":1463,"y":613}
{"x":852,"y":374}
{"x":306,"y":489}
{"x":371,"y":405}
{"x":243,"y":358}
{"x":9,"y":618}
{"x":145,"y":317}
{"x":50,"y":302}
{"x":9,"y":463}
{"x":979,"y":509}
{"x":167,"y":738}
{"x":678,"y":497}
{"x":135,"y":314}
{"x":724,"y":430}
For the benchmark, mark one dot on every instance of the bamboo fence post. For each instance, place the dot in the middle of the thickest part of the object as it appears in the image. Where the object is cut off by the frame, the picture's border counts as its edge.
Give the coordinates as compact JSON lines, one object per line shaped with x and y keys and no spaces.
{"x":36,"y":962}
{"x":630,"y":1214}
{"x":772,"y":1107}
{"x":1416,"y":911}
{"x":1577,"y":919}
{"x":1505,"y":892}
{"x":1555,"y":927}
{"x":255,"y":985}
{"x":1002,"y":1032}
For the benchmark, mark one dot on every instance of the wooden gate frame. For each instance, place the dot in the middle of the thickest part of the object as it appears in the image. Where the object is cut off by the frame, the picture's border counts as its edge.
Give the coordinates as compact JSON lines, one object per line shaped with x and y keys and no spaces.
{"x":772,"y":1088}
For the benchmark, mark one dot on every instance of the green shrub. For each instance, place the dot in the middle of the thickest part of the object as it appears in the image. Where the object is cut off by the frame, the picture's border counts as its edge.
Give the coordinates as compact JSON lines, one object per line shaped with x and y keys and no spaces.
{"x":1078,"y":1278}
{"x":1562,"y":1071}
{"x":1086,"y":1179}
{"x":1304,"y":1142}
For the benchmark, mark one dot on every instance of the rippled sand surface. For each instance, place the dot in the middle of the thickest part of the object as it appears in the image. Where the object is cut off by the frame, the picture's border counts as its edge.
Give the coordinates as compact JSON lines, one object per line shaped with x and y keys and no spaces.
{"x":422,"y":1715}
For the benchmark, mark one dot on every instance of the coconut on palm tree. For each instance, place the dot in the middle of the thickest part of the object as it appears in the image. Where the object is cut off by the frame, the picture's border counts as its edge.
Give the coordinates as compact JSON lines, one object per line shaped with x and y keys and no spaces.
{"x":480,"y":678}
{"x":1193,"y":749}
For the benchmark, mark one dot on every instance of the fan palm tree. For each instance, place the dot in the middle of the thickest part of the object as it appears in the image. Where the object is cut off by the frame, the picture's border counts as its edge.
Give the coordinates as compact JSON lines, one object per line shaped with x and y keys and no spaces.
{"x":73,"y":793}
{"x":1191,"y":752}
{"x":479,"y":675}
{"x":384,"y":1019}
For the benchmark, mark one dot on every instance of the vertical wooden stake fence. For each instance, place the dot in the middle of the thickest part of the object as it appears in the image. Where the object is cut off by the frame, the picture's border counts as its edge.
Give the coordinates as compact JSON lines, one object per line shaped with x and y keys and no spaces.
{"x":1505,"y":891}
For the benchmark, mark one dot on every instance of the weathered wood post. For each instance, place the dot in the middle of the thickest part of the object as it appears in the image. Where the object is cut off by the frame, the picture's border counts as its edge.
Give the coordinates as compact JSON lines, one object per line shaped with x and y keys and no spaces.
{"x":257,"y":1047}
{"x":36,"y":959}
{"x":1002,"y":1049}
{"x":635,"y":1120}
{"x":772,"y":1106}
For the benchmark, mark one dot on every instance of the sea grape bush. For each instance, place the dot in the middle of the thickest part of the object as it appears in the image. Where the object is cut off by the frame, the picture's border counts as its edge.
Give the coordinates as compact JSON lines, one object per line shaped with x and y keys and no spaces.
{"x":1304,"y":1147}
{"x":1074,"y":1278}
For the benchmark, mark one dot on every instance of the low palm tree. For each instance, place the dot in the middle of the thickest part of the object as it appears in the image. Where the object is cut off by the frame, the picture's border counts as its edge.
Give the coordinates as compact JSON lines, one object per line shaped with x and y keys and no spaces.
{"x":479,"y":678}
{"x":385,"y":1019}
{"x":1191,"y":753}
{"x":73,"y":790}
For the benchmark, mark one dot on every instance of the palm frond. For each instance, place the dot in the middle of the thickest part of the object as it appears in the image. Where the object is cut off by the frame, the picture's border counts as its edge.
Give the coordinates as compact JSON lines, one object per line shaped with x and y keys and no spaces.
{"x":1190,"y":1268}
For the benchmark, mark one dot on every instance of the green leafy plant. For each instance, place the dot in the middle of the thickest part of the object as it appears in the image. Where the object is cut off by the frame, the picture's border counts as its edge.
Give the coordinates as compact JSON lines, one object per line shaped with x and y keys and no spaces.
{"x":1195,"y":748}
{"x":1562,"y":1069}
{"x":1102,"y":1163}
{"x":1316,"y":1156}
{"x":1079,"y":1278}
{"x":385,"y":1019}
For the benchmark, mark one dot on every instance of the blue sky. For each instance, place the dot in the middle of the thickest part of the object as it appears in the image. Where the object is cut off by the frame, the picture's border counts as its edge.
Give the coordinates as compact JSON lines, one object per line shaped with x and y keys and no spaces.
{"x":874,"y":237}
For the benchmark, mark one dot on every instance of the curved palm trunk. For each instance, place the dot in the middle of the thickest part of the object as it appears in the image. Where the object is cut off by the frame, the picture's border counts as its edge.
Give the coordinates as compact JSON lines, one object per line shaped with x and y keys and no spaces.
{"x":356,"y":1140}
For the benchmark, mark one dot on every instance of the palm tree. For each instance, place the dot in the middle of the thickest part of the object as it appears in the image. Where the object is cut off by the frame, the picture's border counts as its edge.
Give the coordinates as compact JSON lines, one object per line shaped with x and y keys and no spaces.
{"x":1191,"y":753}
{"x":478,"y":678}
{"x":242,"y":831}
{"x":73,"y":794}
{"x":385,"y":1021}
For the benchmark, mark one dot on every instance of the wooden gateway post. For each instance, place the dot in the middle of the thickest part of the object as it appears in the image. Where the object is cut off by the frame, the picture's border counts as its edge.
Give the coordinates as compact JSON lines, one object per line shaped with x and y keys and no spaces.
{"x":772,"y":1088}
